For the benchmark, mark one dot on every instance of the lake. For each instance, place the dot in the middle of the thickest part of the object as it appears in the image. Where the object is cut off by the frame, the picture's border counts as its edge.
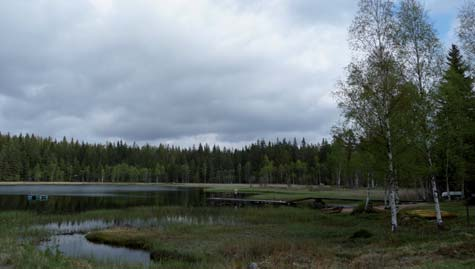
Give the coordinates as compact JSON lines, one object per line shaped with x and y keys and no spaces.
{"x":77,"y":246}
{"x":77,"y":198}
{"x":69,"y":237}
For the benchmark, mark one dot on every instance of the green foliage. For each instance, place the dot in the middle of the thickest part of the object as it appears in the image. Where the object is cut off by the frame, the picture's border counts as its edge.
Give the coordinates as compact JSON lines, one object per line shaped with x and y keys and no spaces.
{"x":413,"y":121}
{"x":362,"y":208}
{"x":31,"y":158}
{"x":455,"y":119}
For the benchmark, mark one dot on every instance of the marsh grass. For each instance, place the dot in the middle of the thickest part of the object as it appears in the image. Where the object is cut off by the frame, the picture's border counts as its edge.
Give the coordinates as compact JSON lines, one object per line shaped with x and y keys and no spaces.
{"x":284,"y":192}
{"x":272,"y":237}
{"x":123,"y":237}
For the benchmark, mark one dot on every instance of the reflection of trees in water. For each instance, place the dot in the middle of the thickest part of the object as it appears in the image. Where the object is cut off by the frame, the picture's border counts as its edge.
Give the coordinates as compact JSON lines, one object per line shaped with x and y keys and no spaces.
{"x":120,"y":200}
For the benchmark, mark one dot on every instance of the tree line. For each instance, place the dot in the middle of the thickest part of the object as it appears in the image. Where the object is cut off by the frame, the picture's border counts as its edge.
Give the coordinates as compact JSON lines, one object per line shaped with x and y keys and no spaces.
{"x":410,"y":103}
{"x":32,"y":158}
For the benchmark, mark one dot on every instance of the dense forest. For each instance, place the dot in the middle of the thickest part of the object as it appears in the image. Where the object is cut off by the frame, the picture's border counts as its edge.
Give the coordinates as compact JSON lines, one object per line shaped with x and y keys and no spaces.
{"x":31,"y":158}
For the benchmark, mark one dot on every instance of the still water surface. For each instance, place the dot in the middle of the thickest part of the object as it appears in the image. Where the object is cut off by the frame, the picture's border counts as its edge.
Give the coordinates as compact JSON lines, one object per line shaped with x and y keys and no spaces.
{"x":69,"y":237}
{"x":77,"y":198}
{"x":77,"y":246}
{"x":84,"y":226}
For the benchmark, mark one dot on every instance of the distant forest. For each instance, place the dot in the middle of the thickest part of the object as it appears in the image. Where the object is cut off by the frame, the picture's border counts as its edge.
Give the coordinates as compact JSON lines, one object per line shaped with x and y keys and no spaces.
{"x":32,"y":158}
{"x":345,"y":161}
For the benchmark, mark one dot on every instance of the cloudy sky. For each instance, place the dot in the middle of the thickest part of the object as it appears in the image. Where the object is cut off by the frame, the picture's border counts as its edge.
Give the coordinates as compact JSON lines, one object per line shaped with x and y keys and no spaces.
{"x":177,"y":71}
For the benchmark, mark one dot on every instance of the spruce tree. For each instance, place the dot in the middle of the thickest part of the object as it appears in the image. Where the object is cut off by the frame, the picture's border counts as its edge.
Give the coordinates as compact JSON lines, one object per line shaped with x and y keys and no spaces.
{"x":455,"y":119}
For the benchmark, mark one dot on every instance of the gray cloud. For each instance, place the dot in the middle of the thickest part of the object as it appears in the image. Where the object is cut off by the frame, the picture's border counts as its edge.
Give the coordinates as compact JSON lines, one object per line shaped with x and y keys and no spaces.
{"x":172,"y":71}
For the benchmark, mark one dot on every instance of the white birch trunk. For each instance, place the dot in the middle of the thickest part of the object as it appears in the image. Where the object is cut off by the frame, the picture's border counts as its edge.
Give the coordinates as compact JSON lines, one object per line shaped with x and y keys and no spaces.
{"x":436,"y":202}
{"x":391,"y":177}
{"x":435,"y":193}
{"x":393,"y":207}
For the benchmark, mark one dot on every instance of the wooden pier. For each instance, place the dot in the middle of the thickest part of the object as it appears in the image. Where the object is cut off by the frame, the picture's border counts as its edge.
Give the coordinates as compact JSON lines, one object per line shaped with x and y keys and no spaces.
{"x":219,"y":201}
{"x":317,"y":202}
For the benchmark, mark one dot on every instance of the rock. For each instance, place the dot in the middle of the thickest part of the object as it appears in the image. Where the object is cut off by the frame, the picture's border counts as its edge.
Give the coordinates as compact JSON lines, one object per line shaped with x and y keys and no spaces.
{"x":252,"y":265}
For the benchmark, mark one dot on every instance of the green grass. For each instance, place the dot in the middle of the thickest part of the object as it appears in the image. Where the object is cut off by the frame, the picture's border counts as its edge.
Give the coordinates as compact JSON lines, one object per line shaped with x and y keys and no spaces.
{"x":124,"y":237}
{"x":284,"y":192}
{"x":272,"y":237}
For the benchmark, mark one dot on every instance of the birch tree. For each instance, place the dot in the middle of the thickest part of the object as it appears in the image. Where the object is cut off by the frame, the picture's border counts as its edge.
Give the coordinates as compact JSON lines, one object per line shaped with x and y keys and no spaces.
{"x":368,"y":95}
{"x":420,"y":51}
{"x":336,"y":158}
{"x":466,"y":30}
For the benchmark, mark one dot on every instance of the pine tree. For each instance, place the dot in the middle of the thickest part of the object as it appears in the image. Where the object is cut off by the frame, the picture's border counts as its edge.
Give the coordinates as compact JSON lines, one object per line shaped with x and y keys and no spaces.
{"x":455,"y":116}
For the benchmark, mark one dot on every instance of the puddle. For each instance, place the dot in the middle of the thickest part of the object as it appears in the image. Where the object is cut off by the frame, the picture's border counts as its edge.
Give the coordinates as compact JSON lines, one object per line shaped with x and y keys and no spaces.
{"x":77,"y":246}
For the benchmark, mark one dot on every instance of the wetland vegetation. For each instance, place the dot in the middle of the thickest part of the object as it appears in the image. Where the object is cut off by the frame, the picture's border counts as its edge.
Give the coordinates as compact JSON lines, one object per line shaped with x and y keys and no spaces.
{"x":227,"y":237}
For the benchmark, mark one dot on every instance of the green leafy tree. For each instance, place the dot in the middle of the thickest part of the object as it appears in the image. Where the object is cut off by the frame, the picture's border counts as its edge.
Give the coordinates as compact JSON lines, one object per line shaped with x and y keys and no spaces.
{"x":266,"y":171}
{"x":337,"y":159}
{"x":373,"y":98}
{"x":466,"y":30}
{"x":420,"y":50}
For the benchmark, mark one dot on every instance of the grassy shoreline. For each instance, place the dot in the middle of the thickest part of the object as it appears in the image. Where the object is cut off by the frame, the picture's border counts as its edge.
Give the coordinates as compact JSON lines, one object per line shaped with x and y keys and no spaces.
{"x":283,"y":237}
{"x":272,"y":237}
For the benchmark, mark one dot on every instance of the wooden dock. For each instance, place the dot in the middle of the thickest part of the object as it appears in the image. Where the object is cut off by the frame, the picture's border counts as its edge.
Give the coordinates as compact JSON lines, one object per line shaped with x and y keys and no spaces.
{"x":318,"y":202}
{"x":219,"y":201}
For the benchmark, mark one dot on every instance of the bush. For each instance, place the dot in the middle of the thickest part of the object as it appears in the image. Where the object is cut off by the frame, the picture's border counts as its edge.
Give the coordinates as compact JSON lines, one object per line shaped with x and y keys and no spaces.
{"x":360,"y":208}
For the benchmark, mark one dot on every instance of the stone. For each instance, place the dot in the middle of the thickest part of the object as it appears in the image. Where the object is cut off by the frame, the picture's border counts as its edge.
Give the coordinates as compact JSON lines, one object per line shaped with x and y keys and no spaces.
{"x":252,"y":265}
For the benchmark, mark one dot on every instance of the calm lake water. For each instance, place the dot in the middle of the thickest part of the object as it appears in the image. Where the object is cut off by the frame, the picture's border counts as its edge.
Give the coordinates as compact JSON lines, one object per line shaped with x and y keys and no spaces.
{"x":77,"y":246}
{"x":77,"y":198}
{"x":84,"y":226}
{"x":69,"y":237}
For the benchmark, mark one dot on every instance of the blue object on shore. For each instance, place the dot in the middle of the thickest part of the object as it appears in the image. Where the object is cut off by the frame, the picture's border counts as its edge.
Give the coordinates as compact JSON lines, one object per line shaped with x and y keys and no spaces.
{"x":37,"y":197}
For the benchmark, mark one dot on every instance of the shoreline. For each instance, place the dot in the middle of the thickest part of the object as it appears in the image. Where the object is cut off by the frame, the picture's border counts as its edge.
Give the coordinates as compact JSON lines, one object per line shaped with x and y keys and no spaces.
{"x":204,"y":185}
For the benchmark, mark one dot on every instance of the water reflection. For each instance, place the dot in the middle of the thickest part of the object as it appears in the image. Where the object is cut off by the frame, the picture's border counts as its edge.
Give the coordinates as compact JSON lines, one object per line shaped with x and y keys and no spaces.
{"x":69,"y":236}
{"x":77,"y":198}
{"x":77,"y":246}
{"x":70,"y":227}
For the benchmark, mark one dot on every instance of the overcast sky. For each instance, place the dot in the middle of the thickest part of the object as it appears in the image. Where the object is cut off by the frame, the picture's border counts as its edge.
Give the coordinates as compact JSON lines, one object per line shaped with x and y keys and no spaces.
{"x":177,"y":71}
